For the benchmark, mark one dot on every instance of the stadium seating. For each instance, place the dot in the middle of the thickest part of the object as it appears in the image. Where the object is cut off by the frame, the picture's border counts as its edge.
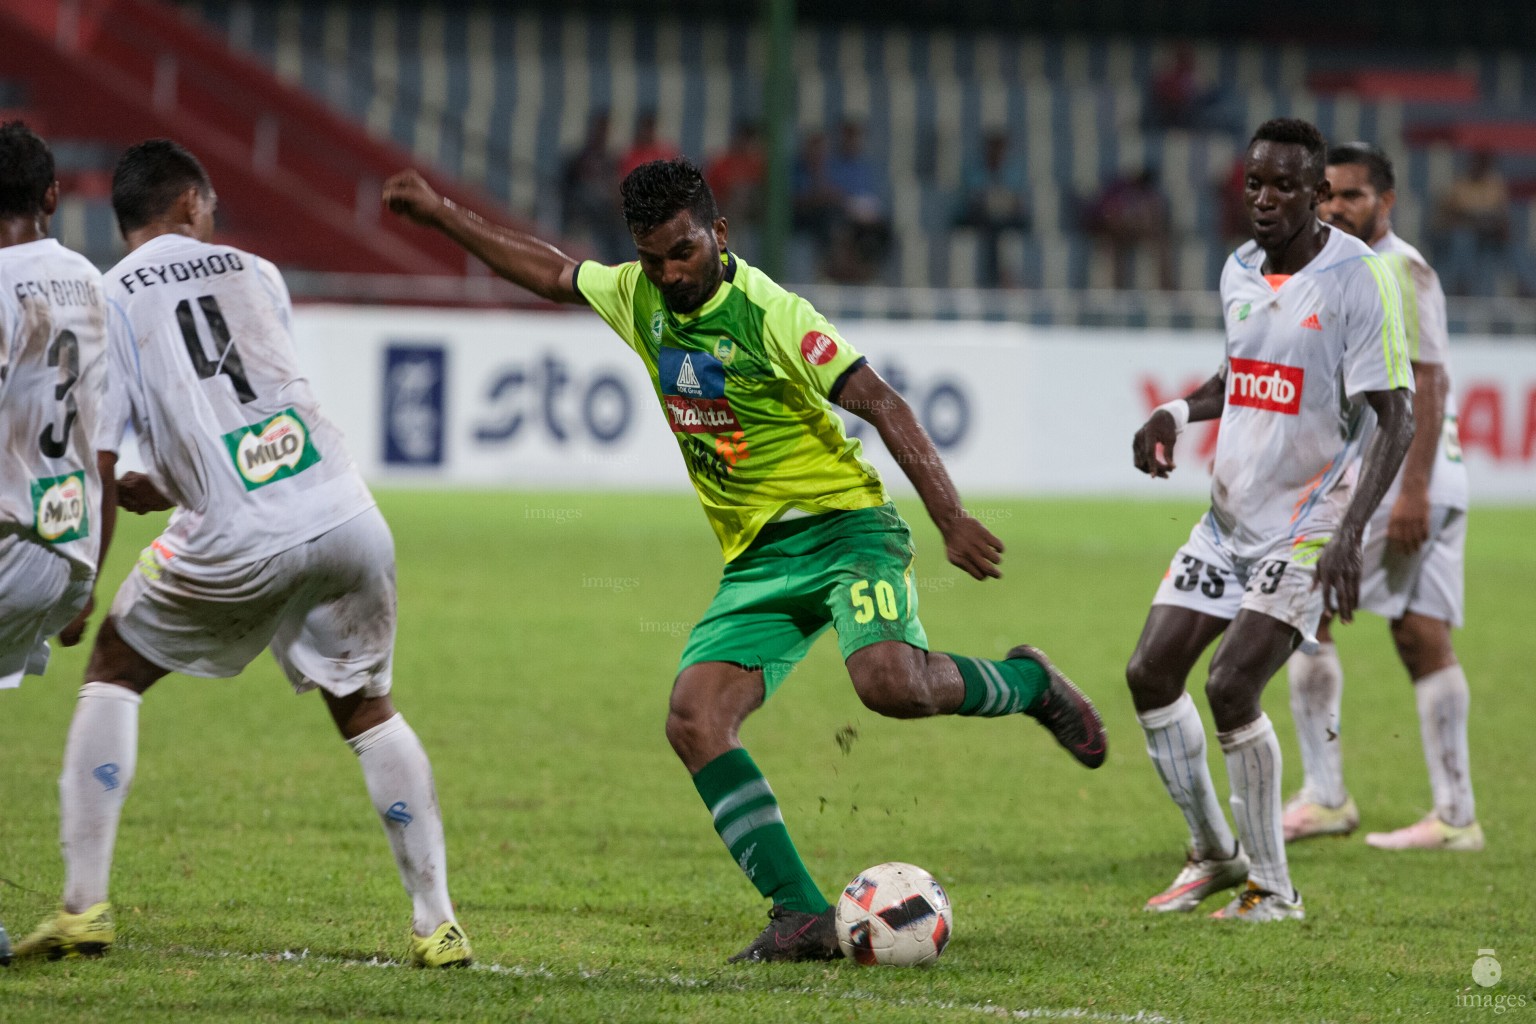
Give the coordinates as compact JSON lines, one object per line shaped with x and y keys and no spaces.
{"x":1075,"y":104}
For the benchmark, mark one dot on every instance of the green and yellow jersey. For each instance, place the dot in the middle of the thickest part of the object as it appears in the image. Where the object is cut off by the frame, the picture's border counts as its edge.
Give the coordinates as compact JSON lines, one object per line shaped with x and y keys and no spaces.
{"x":745,"y":382}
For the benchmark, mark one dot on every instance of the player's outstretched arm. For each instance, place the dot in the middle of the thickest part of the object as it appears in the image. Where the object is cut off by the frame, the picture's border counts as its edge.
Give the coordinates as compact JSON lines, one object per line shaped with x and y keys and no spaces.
{"x":106,"y":467}
{"x":1338,"y":570}
{"x":515,"y":255}
{"x":969,"y":545}
{"x":1152,"y":447}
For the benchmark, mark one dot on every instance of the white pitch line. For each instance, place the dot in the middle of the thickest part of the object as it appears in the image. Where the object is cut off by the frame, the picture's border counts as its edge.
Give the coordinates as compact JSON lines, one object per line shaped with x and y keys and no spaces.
{"x":683,"y":981}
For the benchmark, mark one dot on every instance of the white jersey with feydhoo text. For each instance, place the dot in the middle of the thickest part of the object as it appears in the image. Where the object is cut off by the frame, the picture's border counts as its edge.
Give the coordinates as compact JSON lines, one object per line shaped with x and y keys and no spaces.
{"x":1300,"y":358}
{"x":1428,"y":342}
{"x":203,"y":360}
{"x":52,"y":365}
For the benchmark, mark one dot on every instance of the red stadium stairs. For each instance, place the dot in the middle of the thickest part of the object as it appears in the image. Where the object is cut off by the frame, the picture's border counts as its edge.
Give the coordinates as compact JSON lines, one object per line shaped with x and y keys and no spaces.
{"x":297,"y":182}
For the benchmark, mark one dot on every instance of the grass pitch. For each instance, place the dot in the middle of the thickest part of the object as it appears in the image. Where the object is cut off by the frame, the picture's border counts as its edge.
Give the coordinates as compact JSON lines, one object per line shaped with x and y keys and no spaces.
{"x":538,"y":638}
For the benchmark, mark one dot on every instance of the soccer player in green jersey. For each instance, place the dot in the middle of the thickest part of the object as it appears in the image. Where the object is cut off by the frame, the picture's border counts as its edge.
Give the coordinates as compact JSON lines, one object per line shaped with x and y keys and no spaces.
{"x":746,"y":374}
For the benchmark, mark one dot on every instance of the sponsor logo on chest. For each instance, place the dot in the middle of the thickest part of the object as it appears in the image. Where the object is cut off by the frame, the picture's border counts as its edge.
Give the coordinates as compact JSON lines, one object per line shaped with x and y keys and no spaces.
{"x":693,"y":390}
{"x":271,"y":450}
{"x":1273,"y":387}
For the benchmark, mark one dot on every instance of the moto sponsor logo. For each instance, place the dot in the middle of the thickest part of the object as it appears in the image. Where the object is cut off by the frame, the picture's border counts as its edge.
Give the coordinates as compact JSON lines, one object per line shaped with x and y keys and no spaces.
{"x":1273,"y":387}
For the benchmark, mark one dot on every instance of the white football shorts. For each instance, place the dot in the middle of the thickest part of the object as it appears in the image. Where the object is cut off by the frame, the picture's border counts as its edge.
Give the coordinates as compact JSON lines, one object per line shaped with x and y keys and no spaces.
{"x":1206,"y":577}
{"x":1431,"y":581}
{"x":326,"y":608}
{"x":37,"y":599}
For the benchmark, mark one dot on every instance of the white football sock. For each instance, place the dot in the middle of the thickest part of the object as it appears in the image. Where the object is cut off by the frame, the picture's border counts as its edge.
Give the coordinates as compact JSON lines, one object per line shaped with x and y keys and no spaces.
{"x":99,"y":758}
{"x":1443,"y":701}
{"x":399,"y":779}
{"x":1176,"y":744}
{"x":1253,"y":766}
{"x":1317,"y":693}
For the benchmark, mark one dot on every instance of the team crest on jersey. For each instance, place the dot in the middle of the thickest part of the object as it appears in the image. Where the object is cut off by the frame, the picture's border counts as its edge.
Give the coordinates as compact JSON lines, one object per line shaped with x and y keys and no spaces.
{"x":725,"y":350}
{"x":271,"y":450}
{"x":658,"y":320}
{"x":61,"y":511}
{"x":1273,"y":387}
{"x":693,"y":390}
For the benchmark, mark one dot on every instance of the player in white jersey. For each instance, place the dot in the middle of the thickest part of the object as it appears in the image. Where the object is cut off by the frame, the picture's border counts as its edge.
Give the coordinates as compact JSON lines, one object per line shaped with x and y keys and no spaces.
{"x":1414,"y":555}
{"x":52,"y":362}
{"x":1315,"y":359}
{"x":275,"y":542}
{"x":52,"y":348}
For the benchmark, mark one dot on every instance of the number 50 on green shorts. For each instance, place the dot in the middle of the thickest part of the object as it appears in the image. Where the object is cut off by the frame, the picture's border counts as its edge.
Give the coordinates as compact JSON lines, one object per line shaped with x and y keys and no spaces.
{"x":850,"y":570}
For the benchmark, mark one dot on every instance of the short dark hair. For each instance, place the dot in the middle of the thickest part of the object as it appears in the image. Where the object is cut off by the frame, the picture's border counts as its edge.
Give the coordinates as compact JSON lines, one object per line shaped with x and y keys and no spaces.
{"x":655,"y":192}
{"x":149,"y":177}
{"x":26,"y":171}
{"x":1375,"y":162}
{"x":1293,"y":131}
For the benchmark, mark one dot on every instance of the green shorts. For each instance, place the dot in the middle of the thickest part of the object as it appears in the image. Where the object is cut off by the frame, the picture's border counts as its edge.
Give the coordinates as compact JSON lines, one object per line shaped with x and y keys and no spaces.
{"x":851,"y":570}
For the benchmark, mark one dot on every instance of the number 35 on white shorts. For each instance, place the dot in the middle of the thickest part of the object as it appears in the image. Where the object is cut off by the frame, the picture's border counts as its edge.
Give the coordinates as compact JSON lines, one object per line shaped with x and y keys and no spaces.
{"x":1204,"y":576}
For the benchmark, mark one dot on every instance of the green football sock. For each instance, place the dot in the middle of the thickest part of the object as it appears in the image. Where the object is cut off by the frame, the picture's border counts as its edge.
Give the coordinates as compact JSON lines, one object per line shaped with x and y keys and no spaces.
{"x":747,"y":817}
{"x":994,"y":688}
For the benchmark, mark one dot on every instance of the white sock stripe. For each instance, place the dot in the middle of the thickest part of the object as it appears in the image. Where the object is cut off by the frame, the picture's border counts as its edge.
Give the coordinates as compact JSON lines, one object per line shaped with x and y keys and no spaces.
{"x":1000,"y":700}
{"x":769,"y":815}
{"x":738,"y":796}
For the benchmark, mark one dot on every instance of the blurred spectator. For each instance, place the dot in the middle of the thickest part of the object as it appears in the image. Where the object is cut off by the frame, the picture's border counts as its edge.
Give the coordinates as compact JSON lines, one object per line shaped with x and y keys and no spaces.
{"x":861,"y":235}
{"x":1129,"y":214}
{"x":589,"y":196}
{"x":736,"y":176}
{"x":646,"y":146}
{"x":818,"y":203}
{"x":1181,"y":98}
{"x":993,"y":201}
{"x":1474,"y":225}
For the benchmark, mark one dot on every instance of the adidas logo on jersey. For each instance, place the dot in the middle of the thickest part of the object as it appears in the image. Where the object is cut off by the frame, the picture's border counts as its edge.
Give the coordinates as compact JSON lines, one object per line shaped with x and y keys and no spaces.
{"x":1272,"y":387}
{"x":1312,"y":323}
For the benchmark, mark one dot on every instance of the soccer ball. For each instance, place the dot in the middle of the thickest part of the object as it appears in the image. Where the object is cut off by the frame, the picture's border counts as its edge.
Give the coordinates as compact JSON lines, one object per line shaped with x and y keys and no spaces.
{"x":894,"y":914}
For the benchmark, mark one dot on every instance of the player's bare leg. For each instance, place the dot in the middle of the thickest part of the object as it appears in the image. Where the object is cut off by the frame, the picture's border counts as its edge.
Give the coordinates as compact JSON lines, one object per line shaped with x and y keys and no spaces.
{"x":898,"y":680}
{"x":1323,"y":806}
{"x":100,"y":755}
{"x":399,"y":779}
{"x":1440,"y":688}
{"x":1171,"y":642}
{"x":1255,"y":647}
{"x":709,"y":702}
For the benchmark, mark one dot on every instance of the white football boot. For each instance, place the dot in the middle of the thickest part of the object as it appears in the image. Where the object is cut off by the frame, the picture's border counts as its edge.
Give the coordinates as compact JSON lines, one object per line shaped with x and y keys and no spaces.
{"x":1199,"y":878}
{"x":1305,"y":818}
{"x":1255,"y":905}
{"x":1429,"y":833}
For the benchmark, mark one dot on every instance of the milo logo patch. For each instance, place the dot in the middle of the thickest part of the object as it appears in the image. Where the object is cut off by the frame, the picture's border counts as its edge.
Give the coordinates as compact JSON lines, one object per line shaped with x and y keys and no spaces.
{"x":271,"y":450}
{"x":60,"y":510}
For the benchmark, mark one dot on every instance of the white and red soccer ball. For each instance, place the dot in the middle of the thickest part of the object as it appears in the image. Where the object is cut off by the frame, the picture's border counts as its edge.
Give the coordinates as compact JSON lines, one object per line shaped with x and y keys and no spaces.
{"x":894,"y":914}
